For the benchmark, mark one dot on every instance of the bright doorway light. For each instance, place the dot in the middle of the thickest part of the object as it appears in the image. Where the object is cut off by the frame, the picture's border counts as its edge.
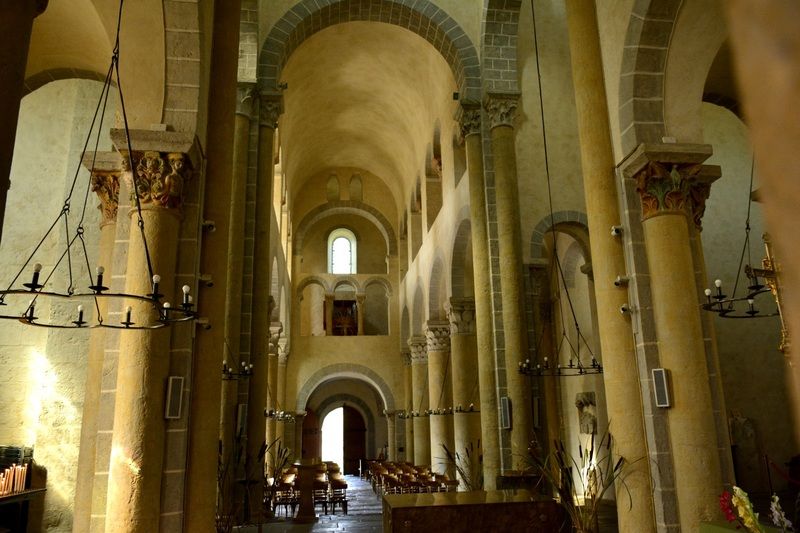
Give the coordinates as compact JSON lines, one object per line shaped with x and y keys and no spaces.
{"x":333,"y":437}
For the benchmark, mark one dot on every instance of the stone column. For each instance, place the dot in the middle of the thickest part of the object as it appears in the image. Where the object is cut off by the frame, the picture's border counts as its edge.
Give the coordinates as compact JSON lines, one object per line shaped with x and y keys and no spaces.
{"x":299,"y":417}
{"x":15,"y":38}
{"x":621,"y":377}
{"x":235,"y":260}
{"x":360,"y":298}
{"x":466,"y":400}
{"x":440,"y":393}
{"x":391,"y":452}
{"x":329,"y":298}
{"x":502,"y":109}
{"x":419,"y":381}
{"x":282,"y":360}
{"x":275,"y":330}
{"x":137,"y":445}
{"x":269,"y":110}
{"x":105,"y":183}
{"x":408,"y":389}
{"x":470,"y":121}
{"x":672,"y":198}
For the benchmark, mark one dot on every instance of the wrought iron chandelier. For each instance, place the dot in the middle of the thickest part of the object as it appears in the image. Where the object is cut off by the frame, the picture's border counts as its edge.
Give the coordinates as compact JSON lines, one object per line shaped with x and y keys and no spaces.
{"x":41,"y":285}
{"x":228,"y":374}
{"x":733,"y":306}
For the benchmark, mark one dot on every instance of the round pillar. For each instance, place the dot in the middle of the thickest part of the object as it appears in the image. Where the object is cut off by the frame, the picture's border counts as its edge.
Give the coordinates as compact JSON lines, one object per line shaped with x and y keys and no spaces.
{"x":269,"y":110}
{"x":466,"y":400}
{"x":669,"y":191}
{"x":106,"y":184}
{"x":621,"y":378}
{"x":470,"y":122}
{"x":391,"y":452}
{"x":419,"y":381}
{"x":409,"y":407}
{"x":15,"y":39}
{"x":235,"y":260}
{"x":283,"y":359}
{"x":137,"y":446}
{"x":440,"y":394}
{"x":502,"y":110}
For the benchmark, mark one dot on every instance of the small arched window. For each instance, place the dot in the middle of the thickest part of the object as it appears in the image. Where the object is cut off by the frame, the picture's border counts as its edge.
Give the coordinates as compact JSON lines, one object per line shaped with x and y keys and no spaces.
{"x":342,"y":252}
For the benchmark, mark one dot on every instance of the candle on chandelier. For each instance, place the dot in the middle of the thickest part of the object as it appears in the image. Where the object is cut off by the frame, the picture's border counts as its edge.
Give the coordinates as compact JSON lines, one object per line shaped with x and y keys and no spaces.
{"x":37,"y":268}
{"x":156,"y":281}
{"x":186,"y":297}
{"x":80,"y":313}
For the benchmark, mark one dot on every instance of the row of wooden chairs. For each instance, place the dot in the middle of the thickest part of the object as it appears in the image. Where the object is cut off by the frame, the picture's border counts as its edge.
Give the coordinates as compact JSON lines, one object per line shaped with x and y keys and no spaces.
{"x":329,"y":490}
{"x":406,"y":478}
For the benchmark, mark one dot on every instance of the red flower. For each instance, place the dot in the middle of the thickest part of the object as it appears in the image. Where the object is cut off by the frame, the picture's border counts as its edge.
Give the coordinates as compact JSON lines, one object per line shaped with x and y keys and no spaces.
{"x":727,"y":508}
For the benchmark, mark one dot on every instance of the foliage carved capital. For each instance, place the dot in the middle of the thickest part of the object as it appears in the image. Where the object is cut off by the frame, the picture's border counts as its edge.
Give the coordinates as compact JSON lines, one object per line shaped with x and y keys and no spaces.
{"x":419,"y":350}
{"x":502,"y":109}
{"x":438,"y":335}
{"x":461,"y":314}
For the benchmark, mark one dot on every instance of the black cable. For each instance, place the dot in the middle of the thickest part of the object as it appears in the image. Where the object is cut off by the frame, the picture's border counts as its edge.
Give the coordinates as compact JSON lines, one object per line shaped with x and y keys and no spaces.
{"x":550,"y":191}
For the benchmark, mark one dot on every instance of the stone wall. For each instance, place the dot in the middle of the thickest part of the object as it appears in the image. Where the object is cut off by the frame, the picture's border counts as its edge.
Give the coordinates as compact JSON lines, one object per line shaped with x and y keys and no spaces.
{"x":44,"y":370}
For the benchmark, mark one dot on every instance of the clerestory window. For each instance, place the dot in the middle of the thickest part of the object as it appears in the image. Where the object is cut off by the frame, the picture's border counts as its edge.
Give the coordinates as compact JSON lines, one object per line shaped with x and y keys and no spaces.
{"x":342,"y":252}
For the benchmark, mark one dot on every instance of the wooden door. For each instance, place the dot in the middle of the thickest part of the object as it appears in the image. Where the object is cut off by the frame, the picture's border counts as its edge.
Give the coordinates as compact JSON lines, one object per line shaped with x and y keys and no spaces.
{"x":355,"y":440}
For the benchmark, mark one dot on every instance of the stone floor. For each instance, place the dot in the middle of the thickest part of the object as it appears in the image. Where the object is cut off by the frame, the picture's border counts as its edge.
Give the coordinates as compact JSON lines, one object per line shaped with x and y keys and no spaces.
{"x":364,"y":515}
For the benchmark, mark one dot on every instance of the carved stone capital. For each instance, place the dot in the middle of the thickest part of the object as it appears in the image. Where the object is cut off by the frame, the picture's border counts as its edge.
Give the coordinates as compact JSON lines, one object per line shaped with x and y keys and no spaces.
{"x":283,"y":350}
{"x":419,"y":350}
{"x":275,"y":330}
{"x":405,"y":355}
{"x":438,"y":336}
{"x":461,"y":314}
{"x":469,"y":119}
{"x":246,"y":94}
{"x":105,"y":169}
{"x":501,"y":108}
{"x":163,"y":162}
{"x":670,"y":178}
{"x":270,"y":108}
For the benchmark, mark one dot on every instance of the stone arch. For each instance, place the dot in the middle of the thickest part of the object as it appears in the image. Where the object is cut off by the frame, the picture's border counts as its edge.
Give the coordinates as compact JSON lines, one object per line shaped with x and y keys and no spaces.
{"x":435,"y":290}
{"x":422,"y":17}
{"x":572,"y":255}
{"x":312,"y":280}
{"x":345,"y":370}
{"x":40,"y":79}
{"x":338,"y":400}
{"x":349,"y":281}
{"x":499,"y":42}
{"x":350,"y":208}
{"x":645,"y":71}
{"x":460,"y":258}
{"x":376,"y":280}
{"x":573,"y":223}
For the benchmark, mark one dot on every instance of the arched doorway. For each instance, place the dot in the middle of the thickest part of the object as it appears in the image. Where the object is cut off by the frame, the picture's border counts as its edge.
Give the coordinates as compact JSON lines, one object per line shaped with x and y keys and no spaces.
{"x":342,"y":437}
